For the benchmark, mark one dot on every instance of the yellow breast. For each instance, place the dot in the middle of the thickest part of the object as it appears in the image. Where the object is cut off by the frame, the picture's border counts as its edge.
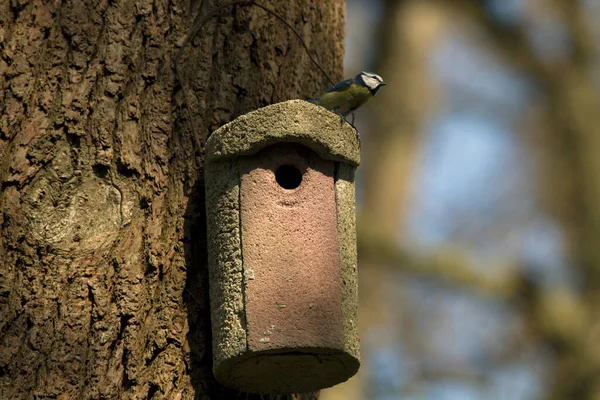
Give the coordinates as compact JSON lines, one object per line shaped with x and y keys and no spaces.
{"x":344,"y":101}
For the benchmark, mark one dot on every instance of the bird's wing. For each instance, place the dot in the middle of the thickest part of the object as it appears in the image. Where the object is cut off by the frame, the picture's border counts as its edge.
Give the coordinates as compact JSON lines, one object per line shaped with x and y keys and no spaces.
{"x":343,"y":85}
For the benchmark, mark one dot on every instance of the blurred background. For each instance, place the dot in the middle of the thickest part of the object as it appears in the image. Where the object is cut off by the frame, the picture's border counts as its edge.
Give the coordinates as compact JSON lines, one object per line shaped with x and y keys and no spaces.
{"x":479,"y":199}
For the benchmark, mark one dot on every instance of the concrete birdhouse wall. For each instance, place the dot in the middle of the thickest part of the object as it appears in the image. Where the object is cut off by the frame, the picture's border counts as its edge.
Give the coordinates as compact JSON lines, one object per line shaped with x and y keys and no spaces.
{"x":280,"y":206}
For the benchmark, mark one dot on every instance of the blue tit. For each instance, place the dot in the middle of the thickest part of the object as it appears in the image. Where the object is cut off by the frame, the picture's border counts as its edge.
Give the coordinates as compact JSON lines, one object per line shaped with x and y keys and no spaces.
{"x":346,"y":96}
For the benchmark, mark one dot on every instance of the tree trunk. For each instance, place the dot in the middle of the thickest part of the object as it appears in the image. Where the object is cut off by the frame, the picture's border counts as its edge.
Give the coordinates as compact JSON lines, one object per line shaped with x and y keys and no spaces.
{"x":103,"y":280}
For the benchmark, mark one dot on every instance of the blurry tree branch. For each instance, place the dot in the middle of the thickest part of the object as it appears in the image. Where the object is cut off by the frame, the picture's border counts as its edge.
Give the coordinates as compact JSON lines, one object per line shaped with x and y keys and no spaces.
{"x":452,"y":266}
{"x":546,"y":311}
{"x":508,"y":42}
{"x":583,"y":43}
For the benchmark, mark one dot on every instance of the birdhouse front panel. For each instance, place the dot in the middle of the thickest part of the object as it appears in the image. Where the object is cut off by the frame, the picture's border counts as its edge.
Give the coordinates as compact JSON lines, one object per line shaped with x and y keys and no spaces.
{"x":290,"y":249}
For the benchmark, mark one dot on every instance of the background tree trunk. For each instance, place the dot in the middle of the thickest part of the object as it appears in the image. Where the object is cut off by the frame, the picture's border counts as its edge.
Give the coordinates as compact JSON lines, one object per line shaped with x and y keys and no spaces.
{"x":407,"y":32}
{"x":103,"y":283}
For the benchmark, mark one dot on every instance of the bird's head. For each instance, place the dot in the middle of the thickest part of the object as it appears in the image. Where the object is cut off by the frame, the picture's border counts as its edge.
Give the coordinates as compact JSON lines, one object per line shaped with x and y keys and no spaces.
{"x":370,"y":80}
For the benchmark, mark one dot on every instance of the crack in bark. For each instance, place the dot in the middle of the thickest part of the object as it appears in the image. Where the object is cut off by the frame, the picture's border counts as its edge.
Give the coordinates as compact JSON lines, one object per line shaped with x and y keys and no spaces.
{"x":121,"y":197}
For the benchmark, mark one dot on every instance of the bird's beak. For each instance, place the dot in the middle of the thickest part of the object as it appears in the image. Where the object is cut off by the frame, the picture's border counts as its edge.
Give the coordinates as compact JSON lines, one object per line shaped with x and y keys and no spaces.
{"x":382,"y":84}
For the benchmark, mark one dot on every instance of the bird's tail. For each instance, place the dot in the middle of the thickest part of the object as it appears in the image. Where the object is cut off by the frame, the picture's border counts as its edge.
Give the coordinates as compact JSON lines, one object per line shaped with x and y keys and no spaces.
{"x":314,"y":100}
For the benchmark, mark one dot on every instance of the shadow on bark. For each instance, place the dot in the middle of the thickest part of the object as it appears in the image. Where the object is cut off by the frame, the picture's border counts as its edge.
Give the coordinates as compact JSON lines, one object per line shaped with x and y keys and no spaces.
{"x":196,"y":299}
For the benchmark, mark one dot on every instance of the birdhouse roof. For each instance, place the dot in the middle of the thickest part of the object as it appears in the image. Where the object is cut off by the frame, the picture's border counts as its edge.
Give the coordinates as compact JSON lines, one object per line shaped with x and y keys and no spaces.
{"x":293,"y":121}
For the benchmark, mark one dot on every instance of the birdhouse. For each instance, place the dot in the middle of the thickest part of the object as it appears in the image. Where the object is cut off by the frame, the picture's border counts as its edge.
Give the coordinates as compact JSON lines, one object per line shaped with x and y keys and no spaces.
{"x":280,"y":206}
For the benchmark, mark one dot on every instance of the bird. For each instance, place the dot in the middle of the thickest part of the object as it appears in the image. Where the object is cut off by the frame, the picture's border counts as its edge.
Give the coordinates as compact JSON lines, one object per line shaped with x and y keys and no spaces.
{"x":346,"y":96}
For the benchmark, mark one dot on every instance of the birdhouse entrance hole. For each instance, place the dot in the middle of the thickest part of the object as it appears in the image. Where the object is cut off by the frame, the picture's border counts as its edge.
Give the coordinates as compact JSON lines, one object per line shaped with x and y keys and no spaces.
{"x":288,"y":177}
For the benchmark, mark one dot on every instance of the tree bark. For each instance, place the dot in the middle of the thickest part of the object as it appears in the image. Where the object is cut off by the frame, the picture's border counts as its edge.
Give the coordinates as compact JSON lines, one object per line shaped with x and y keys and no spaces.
{"x":103,"y":281}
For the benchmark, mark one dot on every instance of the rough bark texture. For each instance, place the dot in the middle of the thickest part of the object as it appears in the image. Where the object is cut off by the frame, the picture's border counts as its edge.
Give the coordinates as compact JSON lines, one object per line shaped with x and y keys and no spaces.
{"x":103,"y":286}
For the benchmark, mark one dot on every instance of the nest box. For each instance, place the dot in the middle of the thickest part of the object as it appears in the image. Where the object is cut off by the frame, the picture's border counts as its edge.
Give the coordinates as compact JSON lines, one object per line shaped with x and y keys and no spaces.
{"x":280,"y":206}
